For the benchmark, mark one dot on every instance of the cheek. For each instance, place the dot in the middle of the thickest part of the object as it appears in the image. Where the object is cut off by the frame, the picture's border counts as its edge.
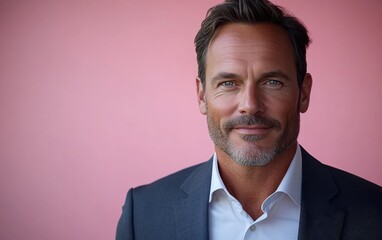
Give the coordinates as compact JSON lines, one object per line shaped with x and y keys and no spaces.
{"x":225,"y":103}
{"x":221,"y":107}
{"x":282,"y":109}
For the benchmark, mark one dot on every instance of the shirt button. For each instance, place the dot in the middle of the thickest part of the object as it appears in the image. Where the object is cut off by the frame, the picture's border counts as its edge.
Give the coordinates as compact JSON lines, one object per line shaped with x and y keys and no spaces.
{"x":253,"y":228}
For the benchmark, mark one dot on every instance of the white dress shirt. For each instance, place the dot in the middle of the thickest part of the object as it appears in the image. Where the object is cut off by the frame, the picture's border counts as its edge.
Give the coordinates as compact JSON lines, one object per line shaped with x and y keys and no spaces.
{"x":281,"y":210}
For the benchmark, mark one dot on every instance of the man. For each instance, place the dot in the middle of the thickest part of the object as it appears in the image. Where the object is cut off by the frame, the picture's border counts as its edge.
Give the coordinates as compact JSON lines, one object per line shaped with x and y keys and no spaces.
{"x":260,"y":184}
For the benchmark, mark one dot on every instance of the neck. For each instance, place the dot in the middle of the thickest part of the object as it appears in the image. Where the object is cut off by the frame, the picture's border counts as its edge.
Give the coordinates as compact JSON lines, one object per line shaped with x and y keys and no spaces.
{"x":252,"y":185}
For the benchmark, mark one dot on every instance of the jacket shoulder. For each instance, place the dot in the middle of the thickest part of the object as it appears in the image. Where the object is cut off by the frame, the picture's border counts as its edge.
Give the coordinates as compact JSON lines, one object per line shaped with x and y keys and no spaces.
{"x":170,"y":182}
{"x":154,"y":204}
{"x":349,"y":186}
{"x":339,"y":202}
{"x":355,"y":187}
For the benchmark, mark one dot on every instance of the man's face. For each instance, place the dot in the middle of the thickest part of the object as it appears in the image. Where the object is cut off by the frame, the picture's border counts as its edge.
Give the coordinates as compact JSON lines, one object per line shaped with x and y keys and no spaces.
{"x":251,"y":95}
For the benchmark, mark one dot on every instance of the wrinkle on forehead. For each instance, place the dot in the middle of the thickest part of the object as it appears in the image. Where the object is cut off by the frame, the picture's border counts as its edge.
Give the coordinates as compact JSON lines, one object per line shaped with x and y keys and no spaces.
{"x":237,"y":45}
{"x":241,"y":35}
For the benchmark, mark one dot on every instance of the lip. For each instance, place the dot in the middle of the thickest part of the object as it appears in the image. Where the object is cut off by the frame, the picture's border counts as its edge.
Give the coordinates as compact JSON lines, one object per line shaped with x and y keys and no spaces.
{"x":252,"y":130}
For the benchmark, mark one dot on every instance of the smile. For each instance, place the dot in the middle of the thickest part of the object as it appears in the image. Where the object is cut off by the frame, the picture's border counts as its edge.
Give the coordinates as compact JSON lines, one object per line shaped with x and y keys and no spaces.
{"x":252,"y":130}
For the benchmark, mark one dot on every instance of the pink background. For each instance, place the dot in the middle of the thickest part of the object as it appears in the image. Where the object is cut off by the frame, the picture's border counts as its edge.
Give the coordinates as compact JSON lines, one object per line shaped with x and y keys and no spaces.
{"x":98,"y":96}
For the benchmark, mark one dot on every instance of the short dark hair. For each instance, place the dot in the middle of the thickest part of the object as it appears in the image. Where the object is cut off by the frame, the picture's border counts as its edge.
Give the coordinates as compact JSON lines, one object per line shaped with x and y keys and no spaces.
{"x":251,"y":12}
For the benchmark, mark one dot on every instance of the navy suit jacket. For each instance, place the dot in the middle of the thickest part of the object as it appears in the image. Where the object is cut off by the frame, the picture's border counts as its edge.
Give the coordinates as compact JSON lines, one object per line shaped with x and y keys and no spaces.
{"x":334,"y":205}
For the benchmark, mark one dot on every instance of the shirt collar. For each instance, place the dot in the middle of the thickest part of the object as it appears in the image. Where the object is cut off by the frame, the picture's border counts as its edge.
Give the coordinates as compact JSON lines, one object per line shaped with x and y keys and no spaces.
{"x":216,"y":181}
{"x":290,"y":184}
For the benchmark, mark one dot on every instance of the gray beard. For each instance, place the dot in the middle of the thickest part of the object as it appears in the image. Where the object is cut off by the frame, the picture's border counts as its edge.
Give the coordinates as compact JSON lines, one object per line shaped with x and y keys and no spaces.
{"x":255,"y":156}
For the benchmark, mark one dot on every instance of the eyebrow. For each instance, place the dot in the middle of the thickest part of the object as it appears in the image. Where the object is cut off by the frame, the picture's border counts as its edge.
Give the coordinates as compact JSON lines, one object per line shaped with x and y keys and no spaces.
{"x":228,"y":75}
{"x":277,"y":73}
{"x":225,"y":75}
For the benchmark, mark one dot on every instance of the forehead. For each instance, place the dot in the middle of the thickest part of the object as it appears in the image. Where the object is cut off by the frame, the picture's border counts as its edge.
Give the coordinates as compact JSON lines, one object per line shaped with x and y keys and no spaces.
{"x":241,"y":45}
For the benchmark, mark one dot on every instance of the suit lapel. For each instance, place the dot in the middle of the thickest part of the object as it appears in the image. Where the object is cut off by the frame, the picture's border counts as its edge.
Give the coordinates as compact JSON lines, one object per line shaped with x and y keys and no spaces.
{"x":191,"y":209}
{"x":320,"y":219}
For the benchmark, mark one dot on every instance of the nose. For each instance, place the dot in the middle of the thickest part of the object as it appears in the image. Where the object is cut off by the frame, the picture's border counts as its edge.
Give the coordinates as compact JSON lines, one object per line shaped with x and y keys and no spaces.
{"x":251,"y":100}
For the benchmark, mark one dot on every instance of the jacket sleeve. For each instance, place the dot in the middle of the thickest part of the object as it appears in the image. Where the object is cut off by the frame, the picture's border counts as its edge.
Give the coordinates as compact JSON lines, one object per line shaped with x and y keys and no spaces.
{"x":125,"y":228}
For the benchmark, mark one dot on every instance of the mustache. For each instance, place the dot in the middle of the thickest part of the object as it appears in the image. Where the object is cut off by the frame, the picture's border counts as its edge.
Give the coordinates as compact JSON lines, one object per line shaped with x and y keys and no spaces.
{"x":250,"y":120}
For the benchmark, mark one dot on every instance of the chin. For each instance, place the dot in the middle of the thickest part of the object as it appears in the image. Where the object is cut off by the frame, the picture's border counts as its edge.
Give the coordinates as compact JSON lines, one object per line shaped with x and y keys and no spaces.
{"x":254,"y":154}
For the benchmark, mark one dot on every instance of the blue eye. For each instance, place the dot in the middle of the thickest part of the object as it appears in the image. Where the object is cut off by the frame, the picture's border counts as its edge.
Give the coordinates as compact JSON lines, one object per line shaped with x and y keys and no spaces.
{"x":228,"y":83}
{"x":274,"y":84}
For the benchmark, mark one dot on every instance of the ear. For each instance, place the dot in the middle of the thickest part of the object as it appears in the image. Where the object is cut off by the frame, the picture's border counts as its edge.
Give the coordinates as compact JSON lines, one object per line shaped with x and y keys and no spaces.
{"x":305,"y":93}
{"x":201,"y":97}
